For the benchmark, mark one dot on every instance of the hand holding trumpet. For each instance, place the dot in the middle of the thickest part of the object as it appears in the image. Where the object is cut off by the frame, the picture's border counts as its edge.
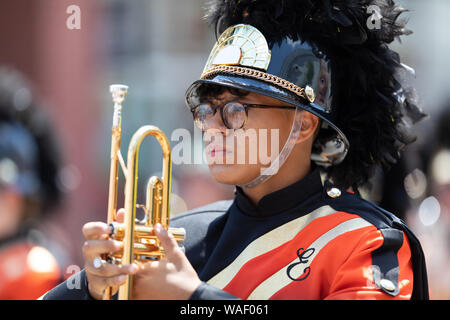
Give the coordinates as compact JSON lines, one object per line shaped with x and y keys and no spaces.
{"x":172,"y":277}
{"x":149,"y":248}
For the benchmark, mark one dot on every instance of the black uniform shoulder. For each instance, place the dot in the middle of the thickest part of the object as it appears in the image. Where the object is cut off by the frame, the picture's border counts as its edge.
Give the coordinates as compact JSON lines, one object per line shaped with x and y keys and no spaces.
{"x":392,"y":229}
{"x":203,"y":226}
{"x":202,"y":215}
{"x":342,"y":200}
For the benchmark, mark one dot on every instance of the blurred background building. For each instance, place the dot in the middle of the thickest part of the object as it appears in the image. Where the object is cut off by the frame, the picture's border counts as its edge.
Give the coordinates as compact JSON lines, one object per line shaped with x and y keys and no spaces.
{"x":158,"y":47}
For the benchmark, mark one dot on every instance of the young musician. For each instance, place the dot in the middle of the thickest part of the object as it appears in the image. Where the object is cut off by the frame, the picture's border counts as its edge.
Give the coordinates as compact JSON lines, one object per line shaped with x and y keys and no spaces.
{"x":320,"y":81}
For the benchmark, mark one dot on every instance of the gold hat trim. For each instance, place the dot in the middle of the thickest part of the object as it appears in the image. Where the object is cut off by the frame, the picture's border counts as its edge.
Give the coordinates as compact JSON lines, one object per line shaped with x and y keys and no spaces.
{"x":263,"y":76}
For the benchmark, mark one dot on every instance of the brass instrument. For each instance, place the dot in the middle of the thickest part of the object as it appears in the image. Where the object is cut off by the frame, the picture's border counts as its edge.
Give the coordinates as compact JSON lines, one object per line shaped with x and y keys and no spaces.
{"x":140,"y":242}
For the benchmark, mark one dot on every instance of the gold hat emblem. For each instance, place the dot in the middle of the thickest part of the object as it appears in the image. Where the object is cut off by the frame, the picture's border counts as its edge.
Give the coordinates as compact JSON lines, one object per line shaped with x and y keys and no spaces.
{"x":241,"y":45}
{"x":229,"y":55}
{"x":310,"y":94}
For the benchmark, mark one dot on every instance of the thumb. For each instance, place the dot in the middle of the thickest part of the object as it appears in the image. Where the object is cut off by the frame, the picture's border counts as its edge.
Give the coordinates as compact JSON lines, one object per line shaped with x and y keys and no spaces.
{"x":168,"y":242}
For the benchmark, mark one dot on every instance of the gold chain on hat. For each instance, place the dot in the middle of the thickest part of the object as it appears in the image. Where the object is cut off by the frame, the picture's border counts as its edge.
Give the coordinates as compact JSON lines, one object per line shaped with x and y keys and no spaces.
{"x":247,"y":72}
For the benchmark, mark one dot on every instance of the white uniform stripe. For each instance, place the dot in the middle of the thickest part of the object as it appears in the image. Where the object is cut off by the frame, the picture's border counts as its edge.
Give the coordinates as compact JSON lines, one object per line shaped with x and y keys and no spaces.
{"x":281,"y":279}
{"x":266,"y":243}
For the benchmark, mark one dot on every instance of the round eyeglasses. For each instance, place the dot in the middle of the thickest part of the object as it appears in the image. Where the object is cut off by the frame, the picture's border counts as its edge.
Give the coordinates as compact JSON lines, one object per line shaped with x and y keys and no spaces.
{"x":234,"y":114}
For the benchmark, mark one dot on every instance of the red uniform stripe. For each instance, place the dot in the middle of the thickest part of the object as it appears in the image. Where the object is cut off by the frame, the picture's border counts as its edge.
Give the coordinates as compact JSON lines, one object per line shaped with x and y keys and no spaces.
{"x":259,"y":268}
{"x":324,"y":268}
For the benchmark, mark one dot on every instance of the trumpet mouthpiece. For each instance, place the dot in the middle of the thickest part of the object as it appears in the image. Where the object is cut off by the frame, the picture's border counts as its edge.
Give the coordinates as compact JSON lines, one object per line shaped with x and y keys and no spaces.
{"x":119,"y":92}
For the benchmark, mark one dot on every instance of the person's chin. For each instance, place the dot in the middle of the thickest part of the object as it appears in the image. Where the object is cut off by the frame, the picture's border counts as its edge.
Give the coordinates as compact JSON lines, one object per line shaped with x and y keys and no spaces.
{"x":232,"y":174}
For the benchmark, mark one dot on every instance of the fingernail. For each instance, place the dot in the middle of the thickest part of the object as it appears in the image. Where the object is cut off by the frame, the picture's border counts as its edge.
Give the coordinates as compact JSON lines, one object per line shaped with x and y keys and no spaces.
{"x":121,"y":278}
{"x":158,"y":227}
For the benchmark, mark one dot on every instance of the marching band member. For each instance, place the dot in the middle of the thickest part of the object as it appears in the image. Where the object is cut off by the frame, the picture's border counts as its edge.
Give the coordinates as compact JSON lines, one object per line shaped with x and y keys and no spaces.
{"x":316,"y":78}
{"x":29,"y":164}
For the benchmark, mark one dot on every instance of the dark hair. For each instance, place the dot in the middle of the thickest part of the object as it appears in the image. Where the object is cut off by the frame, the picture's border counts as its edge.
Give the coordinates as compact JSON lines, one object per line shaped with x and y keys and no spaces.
{"x":373,"y":104}
{"x":207,"y":91}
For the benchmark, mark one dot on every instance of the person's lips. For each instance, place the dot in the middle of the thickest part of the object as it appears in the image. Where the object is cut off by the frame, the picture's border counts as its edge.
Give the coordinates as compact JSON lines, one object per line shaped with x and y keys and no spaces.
{"x":215,"y":150}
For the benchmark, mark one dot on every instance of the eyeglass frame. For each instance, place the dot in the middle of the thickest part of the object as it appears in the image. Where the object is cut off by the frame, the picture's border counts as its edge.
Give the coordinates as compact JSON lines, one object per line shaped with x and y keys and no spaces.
{"x":246,"y":107}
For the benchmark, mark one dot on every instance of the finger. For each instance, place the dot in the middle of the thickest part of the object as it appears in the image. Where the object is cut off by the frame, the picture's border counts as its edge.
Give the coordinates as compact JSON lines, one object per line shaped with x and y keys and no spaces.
{"x":94,"y":248}
{"x":115,"y":281}
{"x":110,"y":270}
{"x":168,"y":242}
{"x":120,"y":215}
{"x":99,"y":284}
{"x":148,"y":267}
{"x":95,"y":230}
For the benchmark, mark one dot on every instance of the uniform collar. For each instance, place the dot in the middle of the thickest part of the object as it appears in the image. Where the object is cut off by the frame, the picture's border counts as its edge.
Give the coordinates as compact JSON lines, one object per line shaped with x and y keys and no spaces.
{"x":283,"y":199}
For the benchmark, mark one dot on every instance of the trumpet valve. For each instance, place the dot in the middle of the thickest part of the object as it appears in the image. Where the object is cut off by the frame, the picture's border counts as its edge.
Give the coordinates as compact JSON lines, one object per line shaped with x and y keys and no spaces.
{"x":146,"y":245}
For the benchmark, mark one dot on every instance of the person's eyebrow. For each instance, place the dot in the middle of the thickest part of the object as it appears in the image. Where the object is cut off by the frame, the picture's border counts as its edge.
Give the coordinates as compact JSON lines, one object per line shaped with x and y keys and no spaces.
{"x":222,"y":101}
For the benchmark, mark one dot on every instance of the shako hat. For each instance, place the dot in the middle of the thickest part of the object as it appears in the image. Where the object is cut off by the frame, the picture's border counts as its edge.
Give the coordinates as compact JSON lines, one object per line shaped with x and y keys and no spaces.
{"x":328,"y":57}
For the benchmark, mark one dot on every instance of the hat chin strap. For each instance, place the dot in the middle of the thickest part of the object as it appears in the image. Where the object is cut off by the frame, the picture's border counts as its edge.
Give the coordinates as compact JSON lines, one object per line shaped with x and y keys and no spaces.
{"x":276,"y":164}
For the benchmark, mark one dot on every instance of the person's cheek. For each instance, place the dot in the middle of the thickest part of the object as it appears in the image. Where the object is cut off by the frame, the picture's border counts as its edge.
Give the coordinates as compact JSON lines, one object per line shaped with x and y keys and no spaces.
{"x":270,"y":135}
{"x":244,"y":147}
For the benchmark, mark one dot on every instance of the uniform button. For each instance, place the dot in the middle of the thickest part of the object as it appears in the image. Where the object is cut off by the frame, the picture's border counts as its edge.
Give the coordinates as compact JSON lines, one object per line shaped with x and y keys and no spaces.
{"x":334,"y":193}
{"x":387,"y":285}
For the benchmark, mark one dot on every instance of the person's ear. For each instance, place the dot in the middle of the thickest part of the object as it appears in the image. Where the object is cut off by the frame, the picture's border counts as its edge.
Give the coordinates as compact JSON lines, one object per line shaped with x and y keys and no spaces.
{"x":310,"y":123}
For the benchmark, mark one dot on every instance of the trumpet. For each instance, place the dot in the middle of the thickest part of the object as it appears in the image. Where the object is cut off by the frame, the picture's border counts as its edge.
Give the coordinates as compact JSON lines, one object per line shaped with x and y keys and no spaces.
{"x":140,"y":242}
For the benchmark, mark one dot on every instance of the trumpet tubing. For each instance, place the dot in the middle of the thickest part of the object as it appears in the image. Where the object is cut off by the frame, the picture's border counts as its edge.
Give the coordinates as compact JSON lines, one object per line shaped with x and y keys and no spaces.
{"x":139,"y":241}
{"x":144,"y":232}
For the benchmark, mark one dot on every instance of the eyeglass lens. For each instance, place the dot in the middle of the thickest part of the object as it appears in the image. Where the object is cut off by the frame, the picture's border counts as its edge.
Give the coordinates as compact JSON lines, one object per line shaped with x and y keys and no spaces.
{"x":233,"y":115}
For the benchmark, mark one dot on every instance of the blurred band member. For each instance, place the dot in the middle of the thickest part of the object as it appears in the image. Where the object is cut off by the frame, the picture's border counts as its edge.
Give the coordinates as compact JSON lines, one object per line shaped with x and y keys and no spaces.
{"x":29,"y":163}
